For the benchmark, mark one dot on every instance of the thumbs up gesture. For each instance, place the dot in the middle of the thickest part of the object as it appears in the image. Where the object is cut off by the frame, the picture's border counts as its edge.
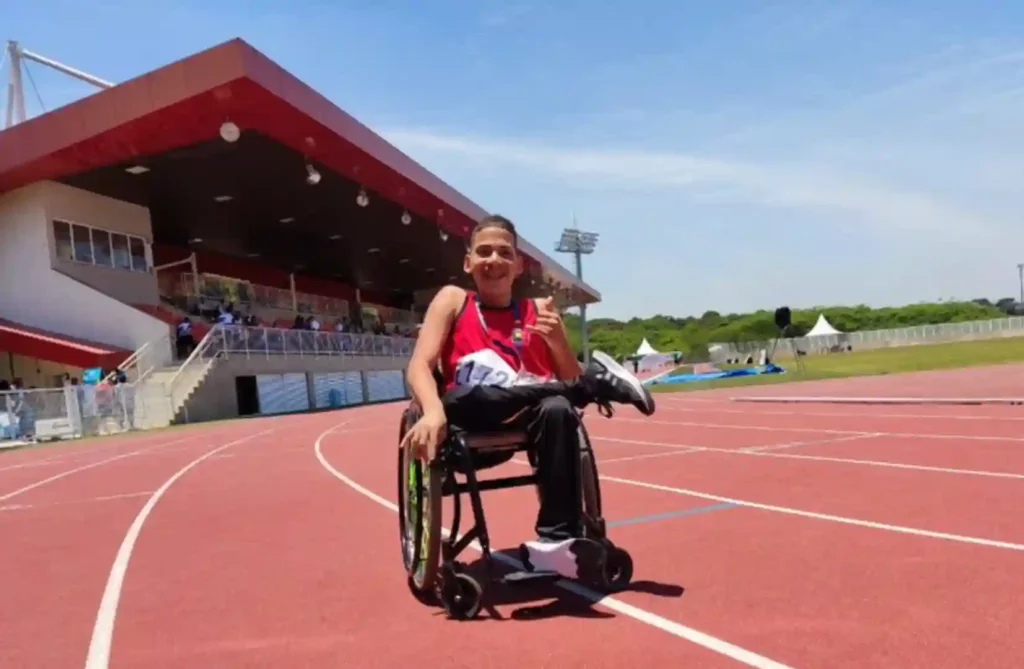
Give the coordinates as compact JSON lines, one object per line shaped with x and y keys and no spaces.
{"x":549,"y":322}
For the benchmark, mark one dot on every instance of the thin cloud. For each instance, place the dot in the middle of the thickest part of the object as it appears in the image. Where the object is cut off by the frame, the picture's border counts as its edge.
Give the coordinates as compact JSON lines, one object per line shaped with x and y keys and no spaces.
{"x":855,"y":200}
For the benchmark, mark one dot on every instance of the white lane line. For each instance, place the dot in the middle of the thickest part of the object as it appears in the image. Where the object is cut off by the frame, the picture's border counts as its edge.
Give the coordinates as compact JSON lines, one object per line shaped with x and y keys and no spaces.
{"x":811,"y":442}
{"x":91,"y":465}
{"x":991,"y":543}
{"x":683,"y":449}
{"x":819,"y":430}
{"x":103,"y":630}
{"x":74,"y":502}
{"x":630,"y":458}
{"x":690,"y":634}
{"x":837,"y":414}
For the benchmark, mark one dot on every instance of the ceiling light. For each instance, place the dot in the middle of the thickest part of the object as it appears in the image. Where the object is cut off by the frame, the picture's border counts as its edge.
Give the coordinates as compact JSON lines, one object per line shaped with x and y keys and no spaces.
{"x":362,"y":199}
{"x":429,"y":269}
{"x":229,"y":132}
{"x":136,"y":169}
{"x":287,"y":219}
{"x":335,"y":237}
{"x":312,"y":176}
{"x":223,"y":198}
{"x":403,"y":261}
{"x":443,"y":235}
{"x":406,"y":218}
{"x":196,"y":240}
{"x":373,"y":250}
{"x":254,"y":255}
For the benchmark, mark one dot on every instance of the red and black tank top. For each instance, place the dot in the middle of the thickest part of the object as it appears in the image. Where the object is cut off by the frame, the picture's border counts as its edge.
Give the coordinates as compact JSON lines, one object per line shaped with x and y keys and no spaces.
{"x":489,"y":346}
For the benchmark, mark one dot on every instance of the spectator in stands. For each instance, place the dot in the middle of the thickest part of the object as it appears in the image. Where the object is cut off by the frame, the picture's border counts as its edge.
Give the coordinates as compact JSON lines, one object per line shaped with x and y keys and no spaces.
{"x":314,"y":323}
{"x":184,"y":342}
{"x":299,"y":324}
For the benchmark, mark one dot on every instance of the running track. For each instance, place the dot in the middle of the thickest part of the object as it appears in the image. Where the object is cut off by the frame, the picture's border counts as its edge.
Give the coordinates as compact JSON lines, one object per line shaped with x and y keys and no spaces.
{"x":827,"y":536}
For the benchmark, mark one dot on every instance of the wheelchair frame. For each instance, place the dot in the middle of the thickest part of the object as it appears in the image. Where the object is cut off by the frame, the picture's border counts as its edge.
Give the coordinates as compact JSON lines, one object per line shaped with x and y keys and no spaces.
{"x":461,"y":594}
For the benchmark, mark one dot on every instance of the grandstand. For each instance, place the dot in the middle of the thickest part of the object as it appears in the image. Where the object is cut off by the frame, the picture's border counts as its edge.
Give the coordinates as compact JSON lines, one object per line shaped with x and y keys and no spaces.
{"x":219,"y":184}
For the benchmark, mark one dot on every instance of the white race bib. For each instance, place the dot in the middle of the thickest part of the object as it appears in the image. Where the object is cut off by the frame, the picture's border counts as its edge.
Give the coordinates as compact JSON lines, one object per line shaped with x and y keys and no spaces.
{"x":484,"y":368}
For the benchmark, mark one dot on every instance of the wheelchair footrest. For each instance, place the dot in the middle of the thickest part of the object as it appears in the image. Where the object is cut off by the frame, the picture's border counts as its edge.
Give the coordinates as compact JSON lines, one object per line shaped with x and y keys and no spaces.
{"x":530,"y":577}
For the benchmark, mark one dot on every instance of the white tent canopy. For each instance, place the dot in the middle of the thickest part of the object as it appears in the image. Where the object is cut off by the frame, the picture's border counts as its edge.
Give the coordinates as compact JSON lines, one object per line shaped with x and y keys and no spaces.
{"x":645,"y":348}
{"x":822,"y":328}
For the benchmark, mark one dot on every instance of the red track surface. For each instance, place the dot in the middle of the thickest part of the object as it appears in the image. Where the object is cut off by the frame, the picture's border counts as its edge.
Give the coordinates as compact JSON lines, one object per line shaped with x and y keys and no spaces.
{"x":261,"y":557}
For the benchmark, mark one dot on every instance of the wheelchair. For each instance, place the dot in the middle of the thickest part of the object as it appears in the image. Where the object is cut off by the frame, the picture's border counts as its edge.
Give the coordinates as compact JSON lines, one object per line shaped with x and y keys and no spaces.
{"x":433,"y":570}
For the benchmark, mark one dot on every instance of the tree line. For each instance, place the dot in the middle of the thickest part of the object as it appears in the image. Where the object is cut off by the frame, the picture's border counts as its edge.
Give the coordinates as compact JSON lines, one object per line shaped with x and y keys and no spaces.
{"x":692,"y":334}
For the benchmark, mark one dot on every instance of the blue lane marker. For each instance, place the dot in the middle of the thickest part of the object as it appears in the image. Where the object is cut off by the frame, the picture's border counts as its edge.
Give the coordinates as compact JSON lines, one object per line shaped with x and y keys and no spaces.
{"x":671,"y":514}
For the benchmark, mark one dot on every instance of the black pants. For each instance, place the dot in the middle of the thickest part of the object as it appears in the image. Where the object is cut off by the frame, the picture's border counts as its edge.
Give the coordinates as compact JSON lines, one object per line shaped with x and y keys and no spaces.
{"x":546,"y":413}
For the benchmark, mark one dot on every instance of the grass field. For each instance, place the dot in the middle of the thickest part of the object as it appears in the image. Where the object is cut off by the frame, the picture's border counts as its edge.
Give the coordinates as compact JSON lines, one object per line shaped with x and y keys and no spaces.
{"x":869,"y":362}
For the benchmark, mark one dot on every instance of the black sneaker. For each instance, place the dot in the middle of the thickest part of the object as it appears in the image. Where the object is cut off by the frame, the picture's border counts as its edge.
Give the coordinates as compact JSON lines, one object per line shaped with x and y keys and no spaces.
{"x":616,"y":384}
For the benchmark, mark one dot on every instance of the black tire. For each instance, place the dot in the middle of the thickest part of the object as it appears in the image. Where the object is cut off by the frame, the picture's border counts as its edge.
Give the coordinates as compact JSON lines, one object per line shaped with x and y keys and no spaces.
{"x":590,"y":486}
{"x":420,"y":541}
{"x":461,"y":596}
{"x":618,"y":570}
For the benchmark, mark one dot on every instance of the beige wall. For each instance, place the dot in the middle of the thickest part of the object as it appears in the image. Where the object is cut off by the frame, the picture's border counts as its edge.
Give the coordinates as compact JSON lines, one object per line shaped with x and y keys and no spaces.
{"x":33,"y":293}
{"x":79,"y":206}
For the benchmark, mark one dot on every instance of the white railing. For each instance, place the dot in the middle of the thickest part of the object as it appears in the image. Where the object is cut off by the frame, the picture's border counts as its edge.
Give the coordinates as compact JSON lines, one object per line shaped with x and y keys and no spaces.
{"x":249,"y":295}
{"x":148,"y":357}
{"x":266,"y":342}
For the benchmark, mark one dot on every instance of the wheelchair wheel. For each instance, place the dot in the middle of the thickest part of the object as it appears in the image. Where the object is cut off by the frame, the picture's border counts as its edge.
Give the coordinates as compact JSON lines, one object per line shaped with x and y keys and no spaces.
{"x":618,"y":570}
{"x":419,"y":517}
{"x":462,"y":596}
{"x":590,"y":486}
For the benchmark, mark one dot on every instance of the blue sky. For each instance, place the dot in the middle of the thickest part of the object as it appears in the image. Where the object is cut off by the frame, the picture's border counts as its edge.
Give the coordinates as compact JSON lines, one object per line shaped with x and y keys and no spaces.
{"x":732,"y":155}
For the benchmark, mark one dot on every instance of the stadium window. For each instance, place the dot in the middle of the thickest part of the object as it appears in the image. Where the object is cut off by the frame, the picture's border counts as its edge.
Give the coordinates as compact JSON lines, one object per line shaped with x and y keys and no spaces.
{"x":81,"y":238}
{"x":138,"y":250}
{"x":85,"y":244}
{"x":62,"y":241}
{"x":101,"y":254}
{"x":122,"y":257}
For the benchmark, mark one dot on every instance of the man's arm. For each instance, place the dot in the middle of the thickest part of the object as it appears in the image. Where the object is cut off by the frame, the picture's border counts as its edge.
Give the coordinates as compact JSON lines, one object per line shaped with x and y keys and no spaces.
{"x":437,"y":324}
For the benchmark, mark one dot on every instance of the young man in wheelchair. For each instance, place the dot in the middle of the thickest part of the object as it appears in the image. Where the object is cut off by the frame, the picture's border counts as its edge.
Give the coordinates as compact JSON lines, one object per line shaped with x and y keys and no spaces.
{"x":507,"y":364}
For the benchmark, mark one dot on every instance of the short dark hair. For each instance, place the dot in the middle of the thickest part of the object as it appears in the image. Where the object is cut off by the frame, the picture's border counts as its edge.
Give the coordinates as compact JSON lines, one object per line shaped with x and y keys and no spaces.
{"x":495,"y":221}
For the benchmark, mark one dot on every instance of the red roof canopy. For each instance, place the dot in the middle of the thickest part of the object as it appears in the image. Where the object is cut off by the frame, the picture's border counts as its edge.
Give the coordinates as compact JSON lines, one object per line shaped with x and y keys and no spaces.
{"x":43,"y":345}
{"x":187,"y":101}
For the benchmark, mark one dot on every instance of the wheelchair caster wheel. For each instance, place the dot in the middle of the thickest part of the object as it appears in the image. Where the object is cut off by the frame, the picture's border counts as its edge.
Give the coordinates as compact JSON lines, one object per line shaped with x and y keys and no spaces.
{"x":461,"y":596}
{"x":618,"y":570}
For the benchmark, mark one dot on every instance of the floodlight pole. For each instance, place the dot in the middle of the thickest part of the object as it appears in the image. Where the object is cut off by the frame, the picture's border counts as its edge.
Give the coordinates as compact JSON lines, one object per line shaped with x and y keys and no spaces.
{"x":16,"y":87}
{"x":578,"y":243}
{"x":1020,"y":272}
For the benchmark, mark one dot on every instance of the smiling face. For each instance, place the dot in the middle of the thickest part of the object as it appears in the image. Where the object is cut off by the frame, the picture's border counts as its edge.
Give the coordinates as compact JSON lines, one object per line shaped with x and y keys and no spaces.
{"x":494,"y":263}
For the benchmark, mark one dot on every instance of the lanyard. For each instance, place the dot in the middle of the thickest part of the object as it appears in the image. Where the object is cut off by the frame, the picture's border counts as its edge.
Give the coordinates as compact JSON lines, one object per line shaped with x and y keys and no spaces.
{"x":517,"y":329}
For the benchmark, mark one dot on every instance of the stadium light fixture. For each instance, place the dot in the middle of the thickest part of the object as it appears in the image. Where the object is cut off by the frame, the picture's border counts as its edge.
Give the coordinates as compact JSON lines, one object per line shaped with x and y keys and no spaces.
{"x":229,"y":132}
{"x":579,"y":243}
{"x":406,"y":218}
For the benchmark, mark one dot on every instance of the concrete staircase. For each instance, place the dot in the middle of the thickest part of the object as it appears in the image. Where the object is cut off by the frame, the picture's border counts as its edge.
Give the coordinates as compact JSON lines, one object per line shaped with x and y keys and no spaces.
{"x":158,"y":403}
